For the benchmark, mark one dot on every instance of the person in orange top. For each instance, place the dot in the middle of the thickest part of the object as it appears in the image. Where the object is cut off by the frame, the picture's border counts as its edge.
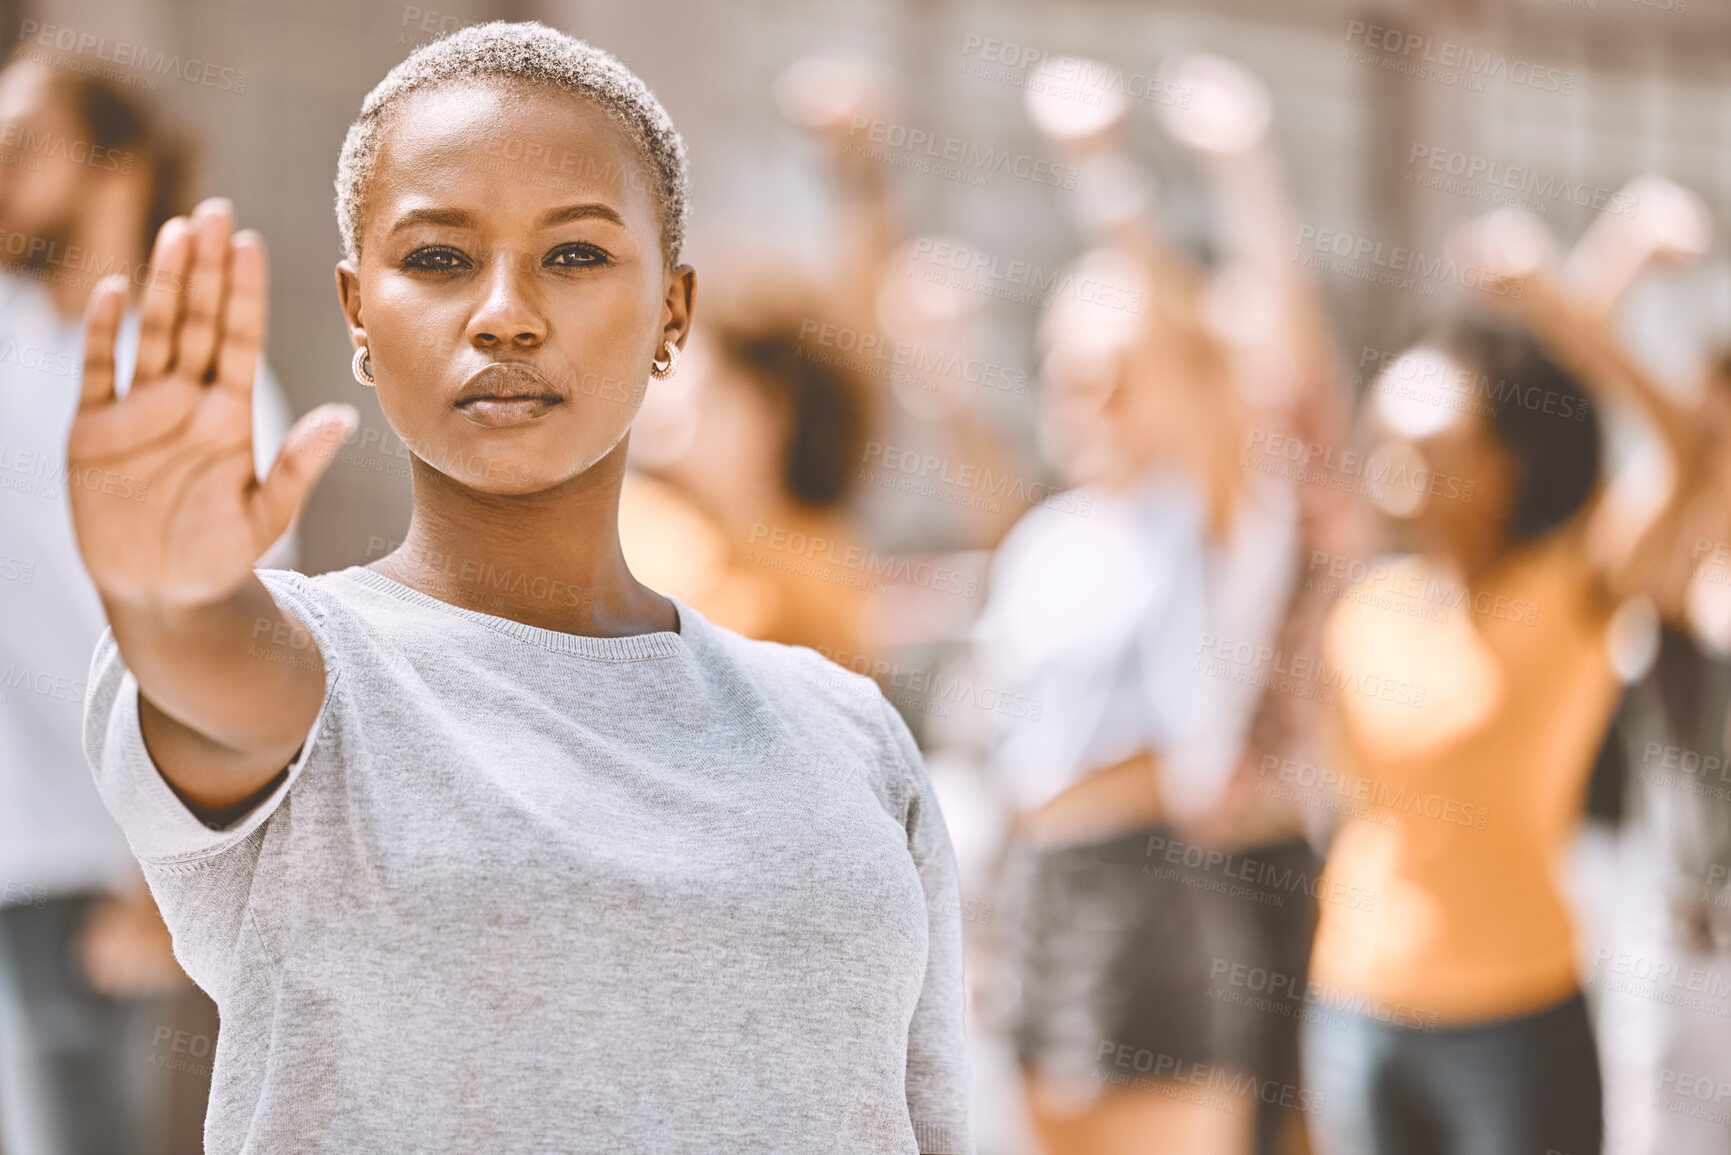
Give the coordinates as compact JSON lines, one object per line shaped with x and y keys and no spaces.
{"x":1473,"y":681}
{"x":739,"y":500}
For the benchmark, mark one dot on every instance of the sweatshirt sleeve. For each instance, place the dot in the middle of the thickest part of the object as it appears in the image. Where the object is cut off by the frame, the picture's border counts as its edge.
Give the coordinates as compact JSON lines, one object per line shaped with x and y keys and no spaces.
{"x":157,"y":824}
{"x":937,"y":1061}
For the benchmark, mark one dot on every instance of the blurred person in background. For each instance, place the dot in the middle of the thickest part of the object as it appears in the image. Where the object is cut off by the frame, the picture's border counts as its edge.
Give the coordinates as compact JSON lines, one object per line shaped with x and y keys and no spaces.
{"x":1665,"y":897}
{"x":1140,"y":761}
{"x":744,"y":496}
{"x":1474,"y":679}
{"x":105,"y":1045}
{"x":745,"y":465}
{"x":742,"y":467}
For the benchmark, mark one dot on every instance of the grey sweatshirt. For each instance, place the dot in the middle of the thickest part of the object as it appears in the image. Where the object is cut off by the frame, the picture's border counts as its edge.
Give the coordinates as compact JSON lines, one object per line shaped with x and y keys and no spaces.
{"x":524,"y":891}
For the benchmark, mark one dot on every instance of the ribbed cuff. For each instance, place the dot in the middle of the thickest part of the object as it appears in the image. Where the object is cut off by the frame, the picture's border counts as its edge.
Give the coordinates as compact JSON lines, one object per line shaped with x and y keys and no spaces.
{"x":943,"y":1138}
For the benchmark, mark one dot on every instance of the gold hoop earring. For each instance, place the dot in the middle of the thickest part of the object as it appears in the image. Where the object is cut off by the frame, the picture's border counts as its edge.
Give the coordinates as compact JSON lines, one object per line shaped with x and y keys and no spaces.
{"x":660,"y":371}
{"x":362,"y":368}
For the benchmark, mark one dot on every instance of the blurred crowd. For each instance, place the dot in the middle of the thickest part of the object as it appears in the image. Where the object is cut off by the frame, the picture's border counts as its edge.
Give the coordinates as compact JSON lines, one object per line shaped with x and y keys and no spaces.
{"x":1334,"y":744}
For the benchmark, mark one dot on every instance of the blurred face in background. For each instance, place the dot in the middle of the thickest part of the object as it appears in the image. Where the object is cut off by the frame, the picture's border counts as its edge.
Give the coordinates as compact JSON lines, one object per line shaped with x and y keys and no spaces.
{"x":39,"y":186}
{"x":713,"y":431}
{"x":512,"y":310}
{"x":1112,"y":415}
{"x":1437,"y":466}
{"x":1133,"y":380}
{"x":55,"y":182}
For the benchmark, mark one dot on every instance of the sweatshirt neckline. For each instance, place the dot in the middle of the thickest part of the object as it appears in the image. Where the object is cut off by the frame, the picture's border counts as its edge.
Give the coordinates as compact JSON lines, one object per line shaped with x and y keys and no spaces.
{"x":631,"y":648}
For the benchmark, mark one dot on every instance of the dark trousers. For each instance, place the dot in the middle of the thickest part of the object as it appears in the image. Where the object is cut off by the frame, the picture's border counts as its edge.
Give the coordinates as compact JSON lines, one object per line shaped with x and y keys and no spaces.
{"x":1518,"y":1086}
{"x":85,"y":1074}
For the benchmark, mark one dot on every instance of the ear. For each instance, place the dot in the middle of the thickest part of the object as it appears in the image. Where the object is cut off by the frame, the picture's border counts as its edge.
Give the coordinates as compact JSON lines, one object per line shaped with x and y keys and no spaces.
{"x":678,"y":300}
{"x":349,"y":294}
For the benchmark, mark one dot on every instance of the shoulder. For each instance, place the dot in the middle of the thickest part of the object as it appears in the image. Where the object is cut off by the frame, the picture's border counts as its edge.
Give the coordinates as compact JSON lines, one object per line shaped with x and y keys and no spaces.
{"x":807,"y":690}
{"x":359,"y":629}
{"x":325,"y":604}
{"x":794,"y":670}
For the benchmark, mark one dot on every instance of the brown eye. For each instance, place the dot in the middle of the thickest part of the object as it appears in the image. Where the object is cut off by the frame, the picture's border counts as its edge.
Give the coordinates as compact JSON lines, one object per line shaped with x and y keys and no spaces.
{"x":575,"y":257}
{"x":436,"y":258}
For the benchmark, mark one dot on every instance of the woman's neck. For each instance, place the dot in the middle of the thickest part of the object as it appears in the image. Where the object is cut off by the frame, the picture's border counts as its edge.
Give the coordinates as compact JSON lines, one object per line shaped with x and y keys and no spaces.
{"x":549,"y":559}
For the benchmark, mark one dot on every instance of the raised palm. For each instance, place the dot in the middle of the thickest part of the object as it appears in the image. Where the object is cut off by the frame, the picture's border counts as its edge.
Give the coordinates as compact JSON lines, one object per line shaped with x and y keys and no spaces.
{"x":168,"y":508}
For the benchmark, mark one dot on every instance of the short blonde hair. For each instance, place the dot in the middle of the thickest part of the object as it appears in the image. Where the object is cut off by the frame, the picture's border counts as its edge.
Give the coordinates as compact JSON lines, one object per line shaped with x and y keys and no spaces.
{"x":528,"y":53}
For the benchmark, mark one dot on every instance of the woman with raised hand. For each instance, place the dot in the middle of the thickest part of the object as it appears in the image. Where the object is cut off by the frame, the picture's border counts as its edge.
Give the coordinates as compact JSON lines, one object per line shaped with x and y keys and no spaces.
{"x":578,"y":872}
{"x":1473,"y":679}
{"x":1140,"y":757}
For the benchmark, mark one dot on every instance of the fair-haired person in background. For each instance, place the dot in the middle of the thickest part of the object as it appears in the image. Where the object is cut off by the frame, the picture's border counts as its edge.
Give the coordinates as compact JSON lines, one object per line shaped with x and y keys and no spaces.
{"x":88,"y":982}
{"x":1137,"y":750}
{"x":581,"y":873}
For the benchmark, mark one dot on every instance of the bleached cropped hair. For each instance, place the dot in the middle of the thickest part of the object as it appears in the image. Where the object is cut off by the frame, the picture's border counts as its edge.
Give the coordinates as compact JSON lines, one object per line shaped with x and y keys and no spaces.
{"x":530,"y":53}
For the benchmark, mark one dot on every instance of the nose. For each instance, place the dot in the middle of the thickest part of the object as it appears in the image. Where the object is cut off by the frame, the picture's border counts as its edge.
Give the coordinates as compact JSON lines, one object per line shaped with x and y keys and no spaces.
{"x":511,"y":314}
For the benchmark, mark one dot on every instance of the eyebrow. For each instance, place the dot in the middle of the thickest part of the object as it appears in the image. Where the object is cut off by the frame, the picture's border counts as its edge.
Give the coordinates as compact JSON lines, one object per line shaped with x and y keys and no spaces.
{"x":458,"y":219}
{"x":580,"y":212}
{"x":450,"y":218}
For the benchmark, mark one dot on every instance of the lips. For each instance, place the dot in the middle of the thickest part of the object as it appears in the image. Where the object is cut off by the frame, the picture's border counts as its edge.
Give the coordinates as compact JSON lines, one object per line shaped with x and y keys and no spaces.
{"x":507,"y":393}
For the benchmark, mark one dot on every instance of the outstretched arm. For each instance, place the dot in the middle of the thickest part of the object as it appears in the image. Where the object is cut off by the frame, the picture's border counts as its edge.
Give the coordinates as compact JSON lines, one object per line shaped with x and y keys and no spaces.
{"x":171,"y":545}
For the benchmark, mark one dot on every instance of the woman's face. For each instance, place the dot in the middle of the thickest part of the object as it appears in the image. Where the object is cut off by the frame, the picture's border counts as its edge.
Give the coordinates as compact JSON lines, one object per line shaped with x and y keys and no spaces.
{"x":511,"y":288}
{"x":1440,"y":467}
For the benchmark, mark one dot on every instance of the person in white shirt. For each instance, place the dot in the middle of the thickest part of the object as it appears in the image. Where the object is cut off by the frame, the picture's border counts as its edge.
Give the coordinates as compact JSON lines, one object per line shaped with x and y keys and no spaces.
{"x":87,"y":979}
